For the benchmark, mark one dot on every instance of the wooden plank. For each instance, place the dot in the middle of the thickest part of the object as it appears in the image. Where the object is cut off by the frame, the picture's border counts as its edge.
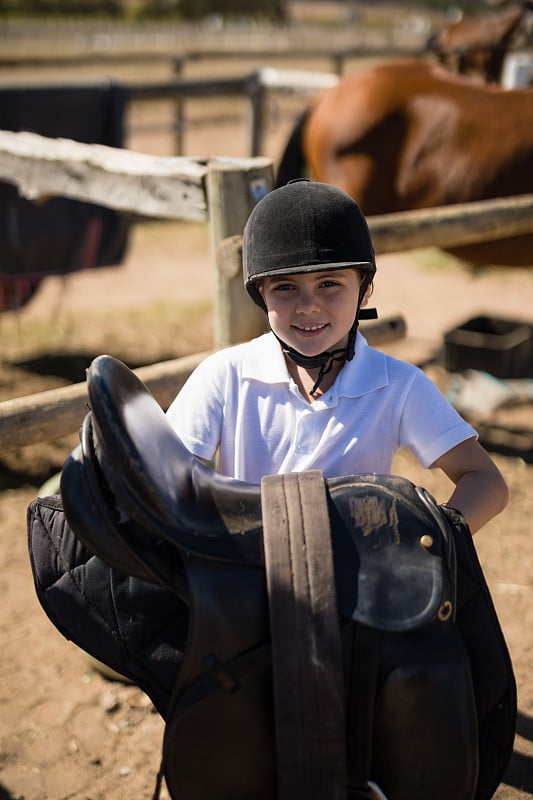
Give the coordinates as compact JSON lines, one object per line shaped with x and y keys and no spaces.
{"x":59,"y":412}
{"x":442,"y":226}
{"x":165,"y":187}
{"x":458,"y":224}
{"x":284,"y":51}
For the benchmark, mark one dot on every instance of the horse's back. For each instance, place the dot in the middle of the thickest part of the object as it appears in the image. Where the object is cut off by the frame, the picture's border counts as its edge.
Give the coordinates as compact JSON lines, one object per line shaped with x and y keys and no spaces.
{"x":409,"y":134}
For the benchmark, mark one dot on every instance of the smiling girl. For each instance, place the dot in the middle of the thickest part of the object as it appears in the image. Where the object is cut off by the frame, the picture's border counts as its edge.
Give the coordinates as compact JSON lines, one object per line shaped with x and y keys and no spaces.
{"x":311,"y":393}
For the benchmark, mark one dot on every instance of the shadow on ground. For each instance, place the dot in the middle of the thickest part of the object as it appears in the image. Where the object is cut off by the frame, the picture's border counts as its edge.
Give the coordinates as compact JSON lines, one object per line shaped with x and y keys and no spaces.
{"x":70,"y":367}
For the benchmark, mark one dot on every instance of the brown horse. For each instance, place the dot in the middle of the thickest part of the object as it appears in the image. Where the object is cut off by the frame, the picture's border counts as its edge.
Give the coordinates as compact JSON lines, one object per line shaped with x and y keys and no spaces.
{"x":408,"y":135}
{"x":480,"y":44}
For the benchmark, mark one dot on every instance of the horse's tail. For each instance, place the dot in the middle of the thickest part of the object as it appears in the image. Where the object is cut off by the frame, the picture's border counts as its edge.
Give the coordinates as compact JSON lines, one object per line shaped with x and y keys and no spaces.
{"x":432,"y":44}
{"x":293,"y":164}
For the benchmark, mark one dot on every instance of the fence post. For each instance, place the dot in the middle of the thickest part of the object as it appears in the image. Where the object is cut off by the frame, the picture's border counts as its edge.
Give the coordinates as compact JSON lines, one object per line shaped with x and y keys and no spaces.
{"x":258,"y":96}
{"x":233,"y":189}
{"x":179,"y":118}
{"x":338,"y":58}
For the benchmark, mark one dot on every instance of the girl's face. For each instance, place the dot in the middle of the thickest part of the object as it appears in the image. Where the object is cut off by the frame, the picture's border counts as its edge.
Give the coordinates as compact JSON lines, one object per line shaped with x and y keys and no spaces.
{"x":313,"y":312}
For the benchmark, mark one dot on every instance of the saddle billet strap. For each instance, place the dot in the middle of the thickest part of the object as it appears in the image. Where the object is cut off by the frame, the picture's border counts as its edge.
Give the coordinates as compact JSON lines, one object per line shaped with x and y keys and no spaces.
{"x":305,"y":632}
{"x":361,"y":698}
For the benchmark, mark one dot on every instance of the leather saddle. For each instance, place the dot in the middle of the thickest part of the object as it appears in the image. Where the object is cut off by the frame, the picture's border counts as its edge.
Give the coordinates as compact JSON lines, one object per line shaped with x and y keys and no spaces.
{"x":374,"y":641}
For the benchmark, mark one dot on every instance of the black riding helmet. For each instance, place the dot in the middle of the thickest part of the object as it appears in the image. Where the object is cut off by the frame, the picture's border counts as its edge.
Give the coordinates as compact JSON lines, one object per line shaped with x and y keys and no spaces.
{"x":307,"y":226}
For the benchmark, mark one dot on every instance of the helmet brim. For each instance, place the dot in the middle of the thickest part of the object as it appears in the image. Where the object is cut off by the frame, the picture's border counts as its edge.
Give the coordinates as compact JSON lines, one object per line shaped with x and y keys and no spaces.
{"x":365,"y":266}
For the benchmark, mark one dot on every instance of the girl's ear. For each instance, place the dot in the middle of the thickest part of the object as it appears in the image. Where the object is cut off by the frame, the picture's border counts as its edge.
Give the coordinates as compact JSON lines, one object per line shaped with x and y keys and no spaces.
{"x":367,"y":295}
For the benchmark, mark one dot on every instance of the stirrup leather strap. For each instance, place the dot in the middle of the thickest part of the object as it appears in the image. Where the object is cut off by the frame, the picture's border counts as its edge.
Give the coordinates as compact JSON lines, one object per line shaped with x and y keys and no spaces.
{"x":306,"y":645}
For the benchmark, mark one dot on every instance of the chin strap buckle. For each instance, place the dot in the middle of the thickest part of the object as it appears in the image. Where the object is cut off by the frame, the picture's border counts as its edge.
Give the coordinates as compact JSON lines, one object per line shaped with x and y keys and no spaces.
{"x":368,"y":313}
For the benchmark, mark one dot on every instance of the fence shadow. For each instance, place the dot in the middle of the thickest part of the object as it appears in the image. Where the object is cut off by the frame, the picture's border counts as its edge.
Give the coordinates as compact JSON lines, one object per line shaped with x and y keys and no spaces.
{"x":524,"y":727}
{"x":69,"y":366}
{"x":507,"y":441}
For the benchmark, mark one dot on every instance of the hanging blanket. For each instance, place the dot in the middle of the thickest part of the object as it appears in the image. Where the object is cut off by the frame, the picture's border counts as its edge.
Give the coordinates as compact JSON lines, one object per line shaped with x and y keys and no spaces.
{"x":60,"y":235}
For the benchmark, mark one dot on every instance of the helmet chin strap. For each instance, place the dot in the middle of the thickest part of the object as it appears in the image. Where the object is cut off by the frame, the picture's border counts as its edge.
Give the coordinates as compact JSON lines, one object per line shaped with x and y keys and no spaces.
{"x":323,"y":360}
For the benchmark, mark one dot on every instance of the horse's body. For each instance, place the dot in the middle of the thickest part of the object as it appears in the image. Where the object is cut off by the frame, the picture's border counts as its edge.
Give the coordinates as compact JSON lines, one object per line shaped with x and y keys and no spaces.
{"x":480,"y":44}
{"x":407,"y":135}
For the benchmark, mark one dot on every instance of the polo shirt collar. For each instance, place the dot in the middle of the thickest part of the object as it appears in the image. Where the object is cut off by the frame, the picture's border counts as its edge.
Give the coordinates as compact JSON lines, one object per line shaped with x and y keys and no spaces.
{"x":264,"y":361}
{"x":365,"y":373}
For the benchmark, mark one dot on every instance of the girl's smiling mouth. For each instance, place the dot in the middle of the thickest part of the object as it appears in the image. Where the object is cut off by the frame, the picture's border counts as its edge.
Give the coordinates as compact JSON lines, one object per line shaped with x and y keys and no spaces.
{"x":309,"y":328}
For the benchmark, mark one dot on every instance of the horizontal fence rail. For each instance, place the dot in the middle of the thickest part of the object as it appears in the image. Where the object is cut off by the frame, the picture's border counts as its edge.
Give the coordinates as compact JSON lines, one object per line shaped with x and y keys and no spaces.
{"x":178,"y":62}
{"x":454,"y":225}
{"x":59,"y":412}
{"x":166,"y":187}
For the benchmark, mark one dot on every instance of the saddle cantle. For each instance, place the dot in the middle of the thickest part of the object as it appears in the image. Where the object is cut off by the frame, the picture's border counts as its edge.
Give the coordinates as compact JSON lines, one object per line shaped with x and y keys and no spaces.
{"x":135,"y":497}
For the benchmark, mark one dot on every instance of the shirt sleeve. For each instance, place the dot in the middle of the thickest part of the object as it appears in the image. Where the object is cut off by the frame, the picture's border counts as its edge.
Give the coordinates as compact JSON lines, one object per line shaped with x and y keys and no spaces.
{"x":430,"y":425}
{"x":196,"y":414}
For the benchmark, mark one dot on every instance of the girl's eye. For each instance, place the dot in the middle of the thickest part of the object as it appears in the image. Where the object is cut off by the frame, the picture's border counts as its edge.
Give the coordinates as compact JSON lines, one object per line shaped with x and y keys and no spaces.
{"x":282,"y":287}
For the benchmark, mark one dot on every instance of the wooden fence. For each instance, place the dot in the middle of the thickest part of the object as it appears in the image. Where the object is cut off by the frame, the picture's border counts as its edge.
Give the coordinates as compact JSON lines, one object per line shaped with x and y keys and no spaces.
{"x":178,"y":63}
{"x":223,"y":192}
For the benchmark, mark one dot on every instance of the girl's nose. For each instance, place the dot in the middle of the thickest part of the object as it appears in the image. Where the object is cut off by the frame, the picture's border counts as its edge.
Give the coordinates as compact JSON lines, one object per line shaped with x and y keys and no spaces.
{"x":306,"y":302}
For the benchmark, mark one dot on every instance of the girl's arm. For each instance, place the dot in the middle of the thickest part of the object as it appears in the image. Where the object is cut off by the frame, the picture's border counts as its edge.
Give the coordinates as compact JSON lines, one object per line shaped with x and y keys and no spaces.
{"x":480,"y":490}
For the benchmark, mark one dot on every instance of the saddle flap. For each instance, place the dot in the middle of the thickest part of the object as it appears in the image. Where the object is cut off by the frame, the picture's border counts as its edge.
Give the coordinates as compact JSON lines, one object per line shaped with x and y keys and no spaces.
{"x":399,"y":574}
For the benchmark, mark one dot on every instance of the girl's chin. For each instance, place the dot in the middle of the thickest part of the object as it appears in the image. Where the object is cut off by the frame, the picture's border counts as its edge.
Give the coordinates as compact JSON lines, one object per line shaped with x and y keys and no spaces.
{"x":309,"y":352}
{"x":309,"y":345}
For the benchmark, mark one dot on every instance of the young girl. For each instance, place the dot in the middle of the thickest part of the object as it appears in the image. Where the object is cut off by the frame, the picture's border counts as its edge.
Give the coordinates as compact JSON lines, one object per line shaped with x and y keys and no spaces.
{"x":311,"y":393}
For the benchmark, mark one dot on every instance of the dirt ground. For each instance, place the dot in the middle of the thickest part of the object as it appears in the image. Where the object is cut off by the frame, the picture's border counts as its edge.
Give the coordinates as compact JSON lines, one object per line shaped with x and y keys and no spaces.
{"x":66,"y":731}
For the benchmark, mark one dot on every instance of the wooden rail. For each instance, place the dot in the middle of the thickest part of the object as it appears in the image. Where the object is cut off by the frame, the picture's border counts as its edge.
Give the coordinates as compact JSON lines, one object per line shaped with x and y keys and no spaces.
{"x":55,"y":413}
{"x":178,"y":62}
{"x":222,"y":191}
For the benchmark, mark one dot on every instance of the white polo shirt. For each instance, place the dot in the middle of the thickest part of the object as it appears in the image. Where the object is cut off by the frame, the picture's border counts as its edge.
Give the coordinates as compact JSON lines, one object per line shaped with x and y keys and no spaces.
{"x":242,"y":402}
